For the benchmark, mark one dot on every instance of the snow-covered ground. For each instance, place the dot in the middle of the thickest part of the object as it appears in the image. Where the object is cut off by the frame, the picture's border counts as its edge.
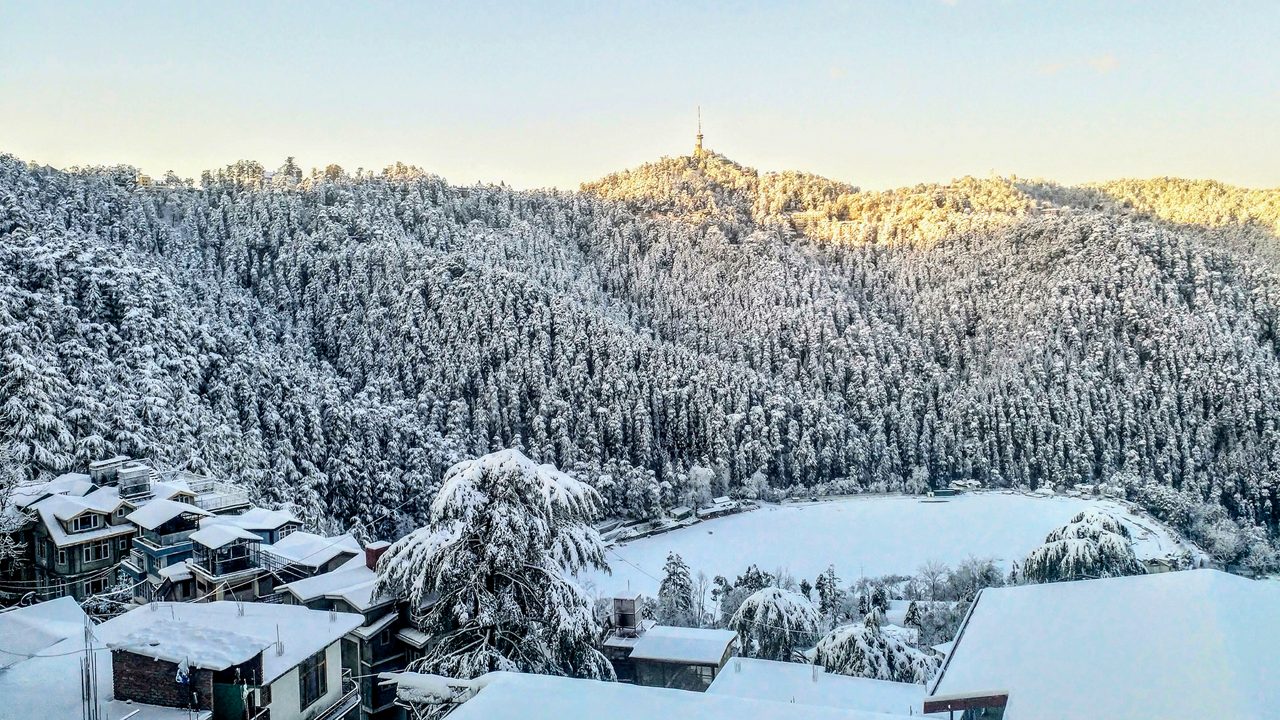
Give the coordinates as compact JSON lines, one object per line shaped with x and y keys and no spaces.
{"x":871,"y":535}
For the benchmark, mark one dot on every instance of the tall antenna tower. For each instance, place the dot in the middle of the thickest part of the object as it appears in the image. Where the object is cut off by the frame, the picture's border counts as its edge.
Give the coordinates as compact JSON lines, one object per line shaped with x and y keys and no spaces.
{"x":697,"y":147}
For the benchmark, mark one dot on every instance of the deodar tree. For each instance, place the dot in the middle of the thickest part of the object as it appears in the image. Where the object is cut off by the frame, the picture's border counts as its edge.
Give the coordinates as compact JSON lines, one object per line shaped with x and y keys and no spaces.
{"x":1092,"y":545}
{"x":864,"y":650}
{"x":493,"y":571}
{"x":774,"y":623}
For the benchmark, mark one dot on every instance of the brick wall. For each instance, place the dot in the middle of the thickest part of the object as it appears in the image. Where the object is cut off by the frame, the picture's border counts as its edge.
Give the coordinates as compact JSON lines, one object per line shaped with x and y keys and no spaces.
{"x":154,"y":682}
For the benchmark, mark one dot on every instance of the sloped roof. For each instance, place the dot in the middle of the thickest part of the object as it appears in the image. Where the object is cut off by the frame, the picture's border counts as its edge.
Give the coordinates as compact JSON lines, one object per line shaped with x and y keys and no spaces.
{"x":699,"y":646}
{"x":351,"y":582}
{"x":160,"y":511}
{"x":255,"y":518}
{"x":804,"y":684}
{"x":517,"y":696}
{"x":311,"y":550}
{"x":215,"y":536}
{"x":1192,"y":644}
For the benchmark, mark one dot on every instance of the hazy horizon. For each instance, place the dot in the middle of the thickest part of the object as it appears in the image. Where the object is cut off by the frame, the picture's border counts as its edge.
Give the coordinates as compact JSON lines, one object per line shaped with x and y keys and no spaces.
{"x":876,"y":95}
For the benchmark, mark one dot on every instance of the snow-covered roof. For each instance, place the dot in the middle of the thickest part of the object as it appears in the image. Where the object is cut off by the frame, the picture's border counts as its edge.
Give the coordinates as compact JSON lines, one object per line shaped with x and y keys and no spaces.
{"x":66,"y":507}
{"x":811,"y":685}
{"x":176,"y":572}
{"x":697,"y":646}
{"x":28,"y":630}
{"x":367,"y":631}
{"x":255,"y":518}
{"x":1192,"y":644}
{"x":311,"y":550}
{"x":215,"y":536}
{"x":516,"y":696}
{"x":160,"y":511}
{"x":352,"y":582}
{"x":44,"y":680}
{"x":62,"y":538}
{"x":217,"y":635}
{"x":74,"y":484}
{"x":170,"y":489}
{"x":413,"y":637}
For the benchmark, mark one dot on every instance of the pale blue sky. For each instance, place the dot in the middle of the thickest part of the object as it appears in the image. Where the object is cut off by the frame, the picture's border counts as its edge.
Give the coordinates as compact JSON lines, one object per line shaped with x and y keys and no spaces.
{"x":554,"y":93}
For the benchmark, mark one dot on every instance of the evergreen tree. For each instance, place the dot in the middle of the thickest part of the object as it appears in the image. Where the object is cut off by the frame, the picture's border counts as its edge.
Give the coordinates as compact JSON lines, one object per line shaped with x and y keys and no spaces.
{"x":675,"y":594}
{"x":493,"y":569}
{"x":774,"y":624}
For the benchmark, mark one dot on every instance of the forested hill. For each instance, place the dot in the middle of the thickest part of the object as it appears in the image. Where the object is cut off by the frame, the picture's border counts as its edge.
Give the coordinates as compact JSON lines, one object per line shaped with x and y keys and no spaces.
{"x":339,"y":341}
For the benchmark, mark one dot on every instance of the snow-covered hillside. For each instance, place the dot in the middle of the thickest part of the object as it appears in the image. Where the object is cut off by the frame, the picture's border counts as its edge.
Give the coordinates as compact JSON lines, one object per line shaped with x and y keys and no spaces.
{"x":874,"y":535}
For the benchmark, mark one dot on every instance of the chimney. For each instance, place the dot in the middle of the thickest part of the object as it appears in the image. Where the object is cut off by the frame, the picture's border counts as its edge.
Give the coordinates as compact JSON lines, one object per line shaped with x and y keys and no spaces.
{"x":373,"y":551}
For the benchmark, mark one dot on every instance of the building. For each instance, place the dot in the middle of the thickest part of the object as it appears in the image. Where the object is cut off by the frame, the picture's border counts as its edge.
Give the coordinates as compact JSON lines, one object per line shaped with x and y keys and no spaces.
{"x":45,"y":673}
{"x":302,"y":554}
{"x":162,"y":548}
{"x":224,"y":563}
{"x":234,"y":659}
{"x":644,"y":653}
{"x":270,"y":525}
{"x":385,"y":642}
{"x":1177,"y":645}
{"x":515,"y":696}
{"x":77,"y":541}
{"x":810,"y":685}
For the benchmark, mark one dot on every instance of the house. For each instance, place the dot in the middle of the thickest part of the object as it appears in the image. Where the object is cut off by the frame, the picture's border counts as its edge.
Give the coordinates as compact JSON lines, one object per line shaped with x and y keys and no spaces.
{"x":162,"y":548}
{"x":678,"y":657}
{"x":303,"y":554}
{"x":224,"y":563}
{"x":516,"y":696}
{"x":42,"y":675}
{"x":1176,"y":645}
{"x":233,"y":659}
{"x":810,"y":685}
{"x":385,"y":642}
{"x":270,"y":525}
{"x":644,"y":653}
{"x":77,"y":541}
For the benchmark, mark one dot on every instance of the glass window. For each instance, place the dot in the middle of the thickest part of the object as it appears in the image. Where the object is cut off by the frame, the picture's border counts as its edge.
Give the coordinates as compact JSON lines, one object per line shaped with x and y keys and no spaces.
{"x":62,"y":557}
{"x":313,"y":681}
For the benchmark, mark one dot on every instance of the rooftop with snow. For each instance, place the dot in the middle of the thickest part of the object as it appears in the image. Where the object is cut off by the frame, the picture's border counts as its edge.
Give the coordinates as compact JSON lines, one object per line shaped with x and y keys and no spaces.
{"x":1191,"y":644}
{"x":694,"y":646}
{"x":805,"y":684}
{"x":512,"y":696}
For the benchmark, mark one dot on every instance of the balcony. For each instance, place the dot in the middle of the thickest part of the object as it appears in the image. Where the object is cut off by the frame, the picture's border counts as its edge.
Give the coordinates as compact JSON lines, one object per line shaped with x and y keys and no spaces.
{"x":345,"y":704}
{"x":158,"y":541}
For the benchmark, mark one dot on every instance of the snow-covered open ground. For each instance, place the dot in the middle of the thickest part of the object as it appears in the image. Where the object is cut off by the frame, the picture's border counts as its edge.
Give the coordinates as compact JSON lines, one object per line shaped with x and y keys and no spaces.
{"x":872,"y":535}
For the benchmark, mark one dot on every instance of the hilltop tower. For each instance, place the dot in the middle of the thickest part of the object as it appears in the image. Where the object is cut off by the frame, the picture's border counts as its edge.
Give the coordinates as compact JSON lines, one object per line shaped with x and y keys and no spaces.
{"x":697,"y":146}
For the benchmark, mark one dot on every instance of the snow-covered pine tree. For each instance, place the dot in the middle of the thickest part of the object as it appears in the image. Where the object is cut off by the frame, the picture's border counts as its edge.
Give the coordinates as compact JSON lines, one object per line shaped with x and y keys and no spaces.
{"x":774,"y":623}
{"x":1093,"y":544}
{"x":492,"y":569}
{"x":675,"y":594}
{"x":830,"y":595}
{"x":863,"y":650}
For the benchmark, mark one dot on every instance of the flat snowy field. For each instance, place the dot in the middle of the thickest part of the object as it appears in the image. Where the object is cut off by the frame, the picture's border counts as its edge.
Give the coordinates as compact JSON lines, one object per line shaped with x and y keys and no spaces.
{"x":873,"y":535}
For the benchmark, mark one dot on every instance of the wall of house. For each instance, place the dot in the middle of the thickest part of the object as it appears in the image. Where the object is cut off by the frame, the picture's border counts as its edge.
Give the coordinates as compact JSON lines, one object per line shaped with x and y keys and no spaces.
{"x":145,"y":680}
{"x":285,"y":695}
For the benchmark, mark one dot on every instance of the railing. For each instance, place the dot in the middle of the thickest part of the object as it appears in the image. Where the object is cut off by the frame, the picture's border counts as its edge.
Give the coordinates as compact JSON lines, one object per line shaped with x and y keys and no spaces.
{"x":211,"y":494}
{"x":346,"y":703}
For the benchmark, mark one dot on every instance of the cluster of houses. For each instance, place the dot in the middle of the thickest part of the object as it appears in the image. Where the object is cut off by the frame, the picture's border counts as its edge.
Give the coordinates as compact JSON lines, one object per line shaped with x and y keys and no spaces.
{"x":263,"y":619}
{"x":234,"y":611}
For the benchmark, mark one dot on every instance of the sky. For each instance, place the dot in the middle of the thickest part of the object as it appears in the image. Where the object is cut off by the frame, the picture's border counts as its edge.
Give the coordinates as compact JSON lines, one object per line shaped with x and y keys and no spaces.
{"x":549,"y":93}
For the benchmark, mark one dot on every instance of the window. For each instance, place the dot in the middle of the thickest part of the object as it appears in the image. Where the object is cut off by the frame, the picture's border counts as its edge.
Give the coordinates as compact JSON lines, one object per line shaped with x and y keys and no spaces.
{"x":85,"y":522}
{"x":123,"y":544}
{"x":62,"y":557}
{"x":93,"y":552}
{"x":122,"y":511}
{"x":384,"y":637}
{"x":264,"y":696}
{"x":94,"y":587}
{"x":313,"y":682}
{"x":287,"y":530}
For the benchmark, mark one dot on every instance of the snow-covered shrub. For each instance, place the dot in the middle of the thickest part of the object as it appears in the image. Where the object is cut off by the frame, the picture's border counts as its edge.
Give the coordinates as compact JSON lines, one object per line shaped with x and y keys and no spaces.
{"x":864,"y":650}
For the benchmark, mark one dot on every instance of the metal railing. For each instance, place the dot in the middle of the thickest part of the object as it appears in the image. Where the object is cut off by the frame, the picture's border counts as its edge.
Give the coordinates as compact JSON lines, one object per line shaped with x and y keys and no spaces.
{"x":346,"y":703}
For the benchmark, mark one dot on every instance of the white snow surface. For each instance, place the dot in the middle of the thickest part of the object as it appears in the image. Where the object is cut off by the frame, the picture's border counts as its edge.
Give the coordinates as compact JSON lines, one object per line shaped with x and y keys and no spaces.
{"x":215,"y":536}
{"x":809,"y":685}
{"x":515,"y":696}
{"x":870,"y":535}
{"x":1179,"y":645}
{"x":698,"y":646}
{"x":28,"y":630}
{"x":160,"y":511}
